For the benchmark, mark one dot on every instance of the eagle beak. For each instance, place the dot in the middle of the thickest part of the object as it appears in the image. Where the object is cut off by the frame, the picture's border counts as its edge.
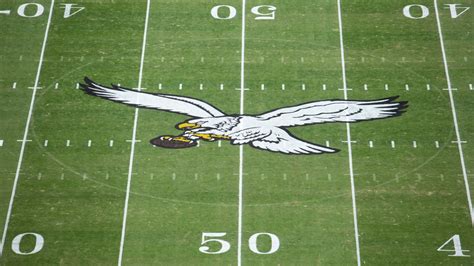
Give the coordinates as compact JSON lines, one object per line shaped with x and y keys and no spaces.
{"x":186,"y":125}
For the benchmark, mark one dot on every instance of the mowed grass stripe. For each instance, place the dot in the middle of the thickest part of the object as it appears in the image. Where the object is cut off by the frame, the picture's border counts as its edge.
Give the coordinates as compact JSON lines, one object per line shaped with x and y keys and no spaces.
{"x":21,"y":46}
{"x":193,"y":190}
{"x":294,"y":197}
{"x":79,"y":215}
{"x":133,"y":140}
{"x":415,"y":201}
{"x":25,"y":139}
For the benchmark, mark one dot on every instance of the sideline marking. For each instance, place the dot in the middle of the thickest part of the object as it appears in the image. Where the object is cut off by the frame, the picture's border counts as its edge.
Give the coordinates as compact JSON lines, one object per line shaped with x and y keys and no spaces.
{"x":27,"y":127}
{"x":454,"y":113}
{"x":241,"y":147}
{"x":348,"y":130}
{"x":134,"y":136}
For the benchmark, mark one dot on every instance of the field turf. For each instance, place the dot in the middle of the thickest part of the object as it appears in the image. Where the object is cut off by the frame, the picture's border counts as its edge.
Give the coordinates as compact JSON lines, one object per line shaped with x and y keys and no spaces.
{"x":395,"y":193}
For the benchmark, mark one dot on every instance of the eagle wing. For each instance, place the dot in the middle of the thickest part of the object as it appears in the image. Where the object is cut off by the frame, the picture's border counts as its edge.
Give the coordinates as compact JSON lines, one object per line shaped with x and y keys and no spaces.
{"x":164,"y":102}
{"x":281,"y":141}
{"x":334,"y":111}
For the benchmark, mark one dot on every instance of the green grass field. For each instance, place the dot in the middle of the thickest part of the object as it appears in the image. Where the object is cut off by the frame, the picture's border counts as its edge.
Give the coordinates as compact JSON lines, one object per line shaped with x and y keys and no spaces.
{"x":72,"y":167}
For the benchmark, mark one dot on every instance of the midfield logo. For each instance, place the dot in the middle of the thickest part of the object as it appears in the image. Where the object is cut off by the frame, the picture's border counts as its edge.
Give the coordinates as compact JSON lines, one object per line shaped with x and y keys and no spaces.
{"x":266,"y":131}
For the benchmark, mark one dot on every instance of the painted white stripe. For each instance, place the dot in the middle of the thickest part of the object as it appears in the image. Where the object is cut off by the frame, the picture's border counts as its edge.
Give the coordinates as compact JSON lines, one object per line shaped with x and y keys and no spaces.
{"x":454,"y":114}
{"x":134,"y":137}
{"x":241,"y":148}
{"x":27,"y":127}
{"x":348,"y":131}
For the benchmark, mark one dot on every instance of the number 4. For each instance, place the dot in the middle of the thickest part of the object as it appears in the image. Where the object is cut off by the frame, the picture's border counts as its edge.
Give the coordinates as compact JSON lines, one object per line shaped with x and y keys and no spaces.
{"x":458,"y":251}
{"x":456,"y":10}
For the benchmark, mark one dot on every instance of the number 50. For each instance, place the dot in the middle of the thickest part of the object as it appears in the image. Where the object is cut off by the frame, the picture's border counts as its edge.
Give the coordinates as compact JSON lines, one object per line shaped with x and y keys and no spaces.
{"x":263,"y":12}
{"x":208,"y":238}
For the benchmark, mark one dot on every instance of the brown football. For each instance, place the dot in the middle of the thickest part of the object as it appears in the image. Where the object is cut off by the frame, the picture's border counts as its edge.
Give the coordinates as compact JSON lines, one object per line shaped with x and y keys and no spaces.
{"x":164,"y":142}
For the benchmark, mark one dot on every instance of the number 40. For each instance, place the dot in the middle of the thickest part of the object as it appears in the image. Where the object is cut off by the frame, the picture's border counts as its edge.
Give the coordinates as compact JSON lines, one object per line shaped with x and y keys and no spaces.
{"x":264,"y":12}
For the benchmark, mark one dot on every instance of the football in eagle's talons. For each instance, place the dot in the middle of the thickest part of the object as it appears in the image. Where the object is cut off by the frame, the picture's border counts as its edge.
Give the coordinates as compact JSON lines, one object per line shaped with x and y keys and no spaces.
{"x":173,"y":142}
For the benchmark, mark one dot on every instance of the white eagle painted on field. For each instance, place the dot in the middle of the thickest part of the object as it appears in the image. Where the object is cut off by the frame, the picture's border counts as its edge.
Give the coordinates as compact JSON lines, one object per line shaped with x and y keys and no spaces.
{"x":265,"y":131}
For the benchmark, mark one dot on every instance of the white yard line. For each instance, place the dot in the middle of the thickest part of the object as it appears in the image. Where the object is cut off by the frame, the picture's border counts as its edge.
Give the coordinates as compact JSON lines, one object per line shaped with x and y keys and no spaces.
{"x":241,"y":148}
{"x":454,"y":114}
{"x":349,"y":139}
{"x":27,"y":127}
{"x":134,"y":138}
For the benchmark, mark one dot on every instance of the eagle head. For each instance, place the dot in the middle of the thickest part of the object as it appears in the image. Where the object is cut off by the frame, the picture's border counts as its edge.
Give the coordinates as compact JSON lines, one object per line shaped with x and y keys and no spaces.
{"x":220,"y":123}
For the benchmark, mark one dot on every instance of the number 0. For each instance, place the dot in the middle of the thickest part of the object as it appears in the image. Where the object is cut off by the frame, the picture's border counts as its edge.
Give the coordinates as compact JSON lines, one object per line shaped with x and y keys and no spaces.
{"x":231,"y":9}
{"x":39,"y":243}
{"x":424,"y":11}
{"x":39,"y":10}
{"x":274,"y":240}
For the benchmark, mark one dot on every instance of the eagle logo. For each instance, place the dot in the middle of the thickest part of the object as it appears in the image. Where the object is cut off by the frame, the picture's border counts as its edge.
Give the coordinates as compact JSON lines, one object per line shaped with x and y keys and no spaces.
{"x":266,"y":131}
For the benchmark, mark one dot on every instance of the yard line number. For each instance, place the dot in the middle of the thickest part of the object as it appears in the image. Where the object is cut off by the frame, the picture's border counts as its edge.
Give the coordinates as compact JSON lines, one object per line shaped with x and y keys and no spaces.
{"x":262,"y":12}
{"x":456,"y":242}
{"x":416,"y":11}
{"x":16,"y":243}
{"x":34,"y":10}
{"x":222,"y":246}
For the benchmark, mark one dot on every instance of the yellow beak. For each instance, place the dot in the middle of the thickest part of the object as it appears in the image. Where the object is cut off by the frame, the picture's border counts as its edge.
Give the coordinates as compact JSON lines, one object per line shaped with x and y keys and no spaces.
{"x":186,"y":125}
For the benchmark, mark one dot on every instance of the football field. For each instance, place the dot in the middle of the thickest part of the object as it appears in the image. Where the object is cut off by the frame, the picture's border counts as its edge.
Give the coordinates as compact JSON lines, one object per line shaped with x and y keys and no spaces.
{"x":81,"y":184}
